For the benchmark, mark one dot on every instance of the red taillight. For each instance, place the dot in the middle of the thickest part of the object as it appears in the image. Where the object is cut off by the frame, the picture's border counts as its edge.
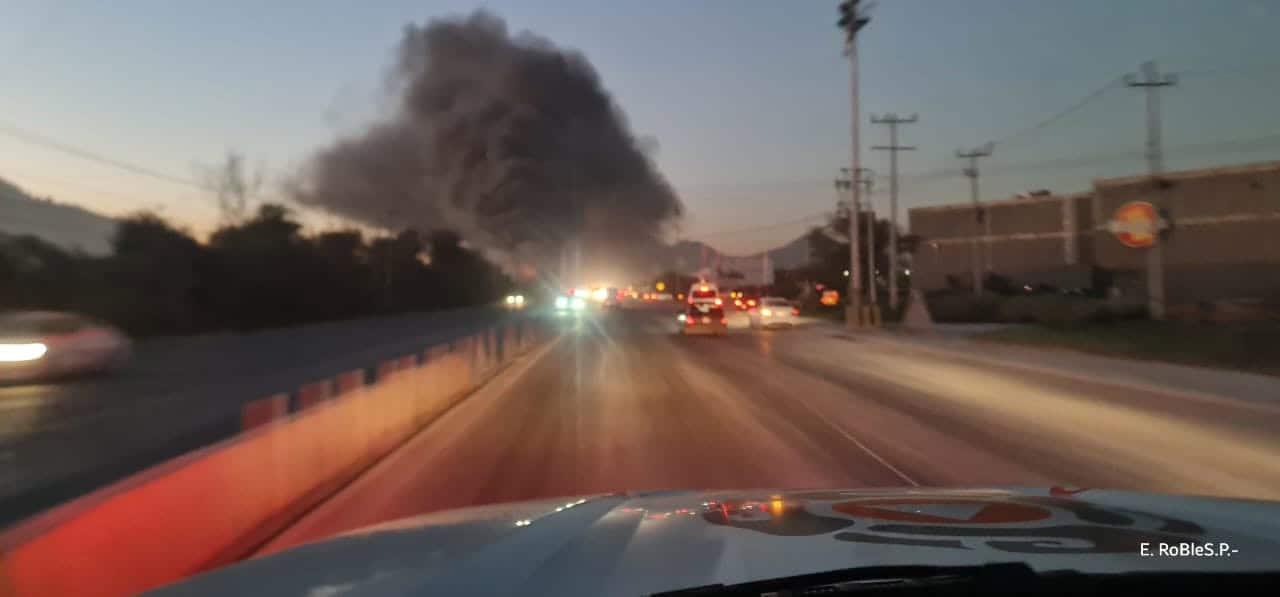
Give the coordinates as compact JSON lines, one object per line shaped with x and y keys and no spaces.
{"x":795,"y":311}
{"x":724,"y":320}
{"x":690,"y":321}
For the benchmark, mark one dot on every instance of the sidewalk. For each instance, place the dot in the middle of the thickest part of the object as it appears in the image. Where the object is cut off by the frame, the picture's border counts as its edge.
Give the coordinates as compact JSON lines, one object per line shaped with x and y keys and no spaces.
{"x":1181,"y":380}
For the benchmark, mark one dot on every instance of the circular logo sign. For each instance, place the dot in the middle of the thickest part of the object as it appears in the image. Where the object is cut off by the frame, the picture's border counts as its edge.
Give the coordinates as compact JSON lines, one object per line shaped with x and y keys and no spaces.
{"x":1136,"y":224}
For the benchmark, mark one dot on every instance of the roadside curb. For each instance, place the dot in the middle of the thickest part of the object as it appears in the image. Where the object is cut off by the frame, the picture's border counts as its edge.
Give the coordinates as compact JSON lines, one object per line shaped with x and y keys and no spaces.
{"x":923,"y":345}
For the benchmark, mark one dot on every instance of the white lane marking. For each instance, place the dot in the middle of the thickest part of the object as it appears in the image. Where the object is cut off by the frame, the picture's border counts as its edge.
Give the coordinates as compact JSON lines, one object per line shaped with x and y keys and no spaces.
{"x":861,"y":446}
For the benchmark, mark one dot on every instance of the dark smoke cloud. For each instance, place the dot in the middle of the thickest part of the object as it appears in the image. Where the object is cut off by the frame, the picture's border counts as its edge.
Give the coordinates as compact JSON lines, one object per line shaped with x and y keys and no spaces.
{"x":509,"y":140}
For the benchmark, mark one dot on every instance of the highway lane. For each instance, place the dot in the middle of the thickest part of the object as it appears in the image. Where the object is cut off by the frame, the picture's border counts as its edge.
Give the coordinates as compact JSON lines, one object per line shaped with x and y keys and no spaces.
{"x":622,"y":404}
{"x":59,"y":440}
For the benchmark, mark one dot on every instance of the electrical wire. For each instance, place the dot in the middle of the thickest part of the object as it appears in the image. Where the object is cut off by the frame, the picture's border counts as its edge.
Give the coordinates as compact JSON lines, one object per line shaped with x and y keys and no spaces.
{"x":1081,"y":103}
{"x":85,"y":154}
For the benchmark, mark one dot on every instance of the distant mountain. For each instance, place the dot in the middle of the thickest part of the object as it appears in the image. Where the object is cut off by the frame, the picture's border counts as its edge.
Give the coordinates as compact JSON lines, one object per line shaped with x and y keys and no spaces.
{"x":68,"y":226}
{"x":687,"y":255}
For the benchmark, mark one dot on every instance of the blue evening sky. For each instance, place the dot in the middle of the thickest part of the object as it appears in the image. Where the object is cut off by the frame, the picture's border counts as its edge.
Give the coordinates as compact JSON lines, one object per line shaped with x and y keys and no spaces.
{"x":748,"y":99}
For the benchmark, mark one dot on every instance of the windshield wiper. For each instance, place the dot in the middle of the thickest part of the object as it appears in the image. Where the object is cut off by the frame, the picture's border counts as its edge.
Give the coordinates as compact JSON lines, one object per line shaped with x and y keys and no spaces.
{"x":986,"y":579}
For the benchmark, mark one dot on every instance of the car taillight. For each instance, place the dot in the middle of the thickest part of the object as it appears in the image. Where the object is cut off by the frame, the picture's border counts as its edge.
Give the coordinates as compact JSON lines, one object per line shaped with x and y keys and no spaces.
{"x":795,"y":311}
{"x":724,"y":320}
{"x":690,"y":321}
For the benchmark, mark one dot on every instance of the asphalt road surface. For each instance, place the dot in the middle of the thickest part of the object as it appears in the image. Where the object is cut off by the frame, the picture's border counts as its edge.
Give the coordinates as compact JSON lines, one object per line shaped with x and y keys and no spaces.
{"x":61,"y":439}
{"x":621,"y":403}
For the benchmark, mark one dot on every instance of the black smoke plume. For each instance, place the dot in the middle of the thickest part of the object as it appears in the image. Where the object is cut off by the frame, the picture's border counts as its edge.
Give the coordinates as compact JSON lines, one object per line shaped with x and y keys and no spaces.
{"x":509,"y":140}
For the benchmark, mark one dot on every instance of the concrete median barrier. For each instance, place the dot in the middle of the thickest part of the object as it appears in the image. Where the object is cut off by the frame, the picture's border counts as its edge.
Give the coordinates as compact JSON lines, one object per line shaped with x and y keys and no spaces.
{"x":216,"y":505}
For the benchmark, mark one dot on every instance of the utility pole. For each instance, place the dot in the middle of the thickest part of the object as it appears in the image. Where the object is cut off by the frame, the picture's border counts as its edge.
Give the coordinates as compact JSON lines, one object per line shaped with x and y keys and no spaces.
{"x":1151,"y":81}
{"x":893,"y":120}
{"x":980,"y":216}
{"x":852,"y":21}
{"x":866,"y":178}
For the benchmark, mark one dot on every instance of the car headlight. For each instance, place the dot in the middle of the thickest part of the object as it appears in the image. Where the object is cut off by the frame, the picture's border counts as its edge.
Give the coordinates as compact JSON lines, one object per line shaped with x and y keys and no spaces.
{"x":511,"y":300}
{"x":519,"y":299}
{"x":19,"y":353}
{"x":577,"y":304}
{"x":562,"y":302}
{"x":766,"y":312}
{"x":680,"y":317}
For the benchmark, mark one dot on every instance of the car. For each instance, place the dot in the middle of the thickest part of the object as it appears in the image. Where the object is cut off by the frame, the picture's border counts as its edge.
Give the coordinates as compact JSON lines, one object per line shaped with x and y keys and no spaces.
{"x":570,"y":303}
{"x":704,"y":319}
{"x":40,"y":345}
{"x":773,"y":312}
{"x":515,"y":301}
{"x":705,"y":293}
{"x":884,"y":541}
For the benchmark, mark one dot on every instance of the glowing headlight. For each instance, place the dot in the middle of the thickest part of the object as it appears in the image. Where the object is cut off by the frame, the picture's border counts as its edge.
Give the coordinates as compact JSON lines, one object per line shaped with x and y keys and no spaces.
{"x":577,"y":304}
{"x":511,"y":300}
{"x":562,"y":302}
{"x":680,"y":317}
{"x":766,"y":312}
{"x":600,"y":294}
{"x":17,"y":353}
{"x":519,"y":299}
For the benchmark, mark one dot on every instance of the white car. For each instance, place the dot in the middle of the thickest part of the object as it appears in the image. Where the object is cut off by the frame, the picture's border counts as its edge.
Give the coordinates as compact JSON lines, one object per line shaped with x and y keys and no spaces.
{"x":773,"y":312}
{"x":37,"y":345}
{"x":705,"y":293}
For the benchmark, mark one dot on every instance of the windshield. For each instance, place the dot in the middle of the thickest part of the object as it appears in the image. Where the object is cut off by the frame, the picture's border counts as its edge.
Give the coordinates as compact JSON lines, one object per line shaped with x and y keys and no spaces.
{"x":273,"y":272}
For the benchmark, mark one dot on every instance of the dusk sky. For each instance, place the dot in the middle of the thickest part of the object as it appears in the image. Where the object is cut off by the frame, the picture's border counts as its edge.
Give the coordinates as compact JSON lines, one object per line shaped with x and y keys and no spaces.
{"x":748,"y":100}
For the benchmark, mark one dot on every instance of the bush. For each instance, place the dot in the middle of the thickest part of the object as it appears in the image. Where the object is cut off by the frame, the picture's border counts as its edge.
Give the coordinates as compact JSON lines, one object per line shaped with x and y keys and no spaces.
{"x":1019,"y":309}
{"x":1065,"y":311}
{"x":953,"y":307}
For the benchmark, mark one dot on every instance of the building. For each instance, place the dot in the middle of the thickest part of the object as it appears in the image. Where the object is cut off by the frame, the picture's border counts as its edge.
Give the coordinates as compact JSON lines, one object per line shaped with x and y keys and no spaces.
{"x":1224,"y":241}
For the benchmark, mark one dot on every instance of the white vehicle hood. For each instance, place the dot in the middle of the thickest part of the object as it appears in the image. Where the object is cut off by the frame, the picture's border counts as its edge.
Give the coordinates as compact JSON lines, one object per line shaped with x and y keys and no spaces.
{"x":638,"y":544}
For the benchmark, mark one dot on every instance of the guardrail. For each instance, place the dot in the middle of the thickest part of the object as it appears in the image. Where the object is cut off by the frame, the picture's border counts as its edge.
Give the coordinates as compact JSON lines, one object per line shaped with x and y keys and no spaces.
{"x":220,"y":503}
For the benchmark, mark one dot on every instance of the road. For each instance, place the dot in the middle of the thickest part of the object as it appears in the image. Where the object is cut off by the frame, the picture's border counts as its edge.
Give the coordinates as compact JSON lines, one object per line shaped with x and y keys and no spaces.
{"x":60,"y":440}
{"x":620,"y":403}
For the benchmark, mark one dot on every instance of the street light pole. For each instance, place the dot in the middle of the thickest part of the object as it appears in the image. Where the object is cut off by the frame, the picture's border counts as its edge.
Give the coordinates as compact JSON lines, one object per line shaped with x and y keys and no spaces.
{"x":851,"y":22}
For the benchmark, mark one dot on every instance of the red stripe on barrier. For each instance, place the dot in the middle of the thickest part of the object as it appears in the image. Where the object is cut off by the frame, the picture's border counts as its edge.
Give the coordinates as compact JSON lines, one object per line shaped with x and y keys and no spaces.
{"x":314,"y":393}
{"x":386,"y":368}
{"x":350,"y":381}
{"x":264,"y":410}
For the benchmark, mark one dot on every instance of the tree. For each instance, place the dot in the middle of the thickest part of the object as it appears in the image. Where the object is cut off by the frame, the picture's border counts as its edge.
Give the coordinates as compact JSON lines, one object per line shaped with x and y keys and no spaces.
{"x":233,"y":186}
{"x":263,"y":272}
{"x":152,"y":277}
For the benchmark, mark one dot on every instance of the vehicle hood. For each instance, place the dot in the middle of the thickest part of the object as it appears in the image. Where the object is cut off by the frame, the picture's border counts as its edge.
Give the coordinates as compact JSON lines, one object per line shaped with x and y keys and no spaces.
{"x":641,"y":543}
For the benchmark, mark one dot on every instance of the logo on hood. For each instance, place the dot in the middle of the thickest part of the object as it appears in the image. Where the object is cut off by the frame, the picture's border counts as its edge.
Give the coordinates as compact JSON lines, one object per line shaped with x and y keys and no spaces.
{"x":1010,"y":523}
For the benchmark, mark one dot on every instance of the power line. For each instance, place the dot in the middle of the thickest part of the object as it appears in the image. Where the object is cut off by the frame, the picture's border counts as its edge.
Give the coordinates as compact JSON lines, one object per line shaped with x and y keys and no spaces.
{"x":85,"y":154}
{"x":1082,"y":102}
{"x":1227,"y":70}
